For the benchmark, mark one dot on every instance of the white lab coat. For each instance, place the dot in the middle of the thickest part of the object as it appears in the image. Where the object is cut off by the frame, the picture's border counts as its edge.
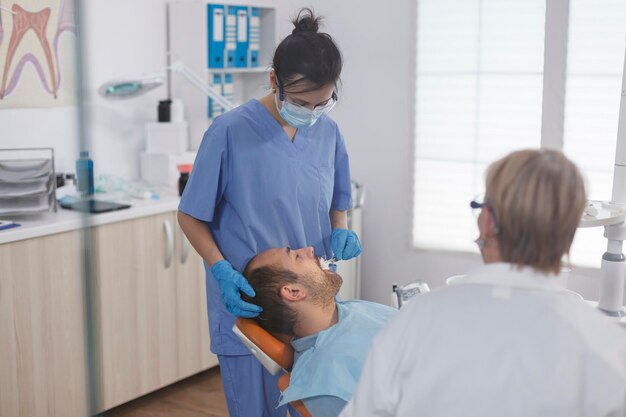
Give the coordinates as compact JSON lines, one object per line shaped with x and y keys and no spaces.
{"x":501,"y":342}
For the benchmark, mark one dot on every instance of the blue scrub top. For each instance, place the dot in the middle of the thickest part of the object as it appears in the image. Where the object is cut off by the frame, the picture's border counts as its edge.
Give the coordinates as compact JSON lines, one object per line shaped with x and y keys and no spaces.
{"x":257,"y":190}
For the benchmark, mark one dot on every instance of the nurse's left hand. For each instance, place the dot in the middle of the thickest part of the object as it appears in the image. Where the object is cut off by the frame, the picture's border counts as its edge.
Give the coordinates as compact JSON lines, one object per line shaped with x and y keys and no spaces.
{"x":345,"y":244}
{"x":231,"y":283}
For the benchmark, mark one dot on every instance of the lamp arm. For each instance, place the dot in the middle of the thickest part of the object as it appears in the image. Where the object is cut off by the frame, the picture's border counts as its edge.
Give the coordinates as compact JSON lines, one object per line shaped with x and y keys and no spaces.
{"x":613,"y":268}
{"x":201,"y":84}
{"x":619,"y":175}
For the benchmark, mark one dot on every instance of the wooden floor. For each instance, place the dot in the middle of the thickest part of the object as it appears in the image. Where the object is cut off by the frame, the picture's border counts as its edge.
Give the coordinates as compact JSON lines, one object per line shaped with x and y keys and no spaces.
{"x":201,"y":395}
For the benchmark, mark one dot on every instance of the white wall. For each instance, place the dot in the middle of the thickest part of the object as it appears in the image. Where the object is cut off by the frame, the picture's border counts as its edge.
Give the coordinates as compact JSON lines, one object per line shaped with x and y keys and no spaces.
{"x":124,"y":39}
{"x":376,"y":112}
{"x":44,"y":127}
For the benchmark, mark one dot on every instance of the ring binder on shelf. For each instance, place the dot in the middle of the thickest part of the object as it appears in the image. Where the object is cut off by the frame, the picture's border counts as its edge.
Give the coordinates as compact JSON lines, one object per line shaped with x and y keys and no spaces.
{"x":255,"y":36}
{"x":214,"y":108}
{"x":241,"y":54}
{"x":216,"y":35}
{"x":231,"y":37}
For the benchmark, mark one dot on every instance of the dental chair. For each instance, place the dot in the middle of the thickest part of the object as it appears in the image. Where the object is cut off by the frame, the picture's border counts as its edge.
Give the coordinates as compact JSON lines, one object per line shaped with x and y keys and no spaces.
{"x":274,"y":355}
{"x":277,"y":356}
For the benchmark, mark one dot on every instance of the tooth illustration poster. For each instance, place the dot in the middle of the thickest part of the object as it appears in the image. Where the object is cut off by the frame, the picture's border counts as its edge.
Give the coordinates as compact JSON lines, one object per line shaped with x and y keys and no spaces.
{"x":37,"y":53}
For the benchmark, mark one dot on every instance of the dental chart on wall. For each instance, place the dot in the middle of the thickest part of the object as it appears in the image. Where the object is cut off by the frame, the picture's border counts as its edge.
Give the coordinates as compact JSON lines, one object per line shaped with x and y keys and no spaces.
{"x":37,"y":43}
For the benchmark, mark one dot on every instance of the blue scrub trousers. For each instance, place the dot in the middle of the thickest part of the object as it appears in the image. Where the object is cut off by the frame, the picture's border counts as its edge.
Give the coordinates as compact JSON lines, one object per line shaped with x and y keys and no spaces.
{"x":241,"y":374}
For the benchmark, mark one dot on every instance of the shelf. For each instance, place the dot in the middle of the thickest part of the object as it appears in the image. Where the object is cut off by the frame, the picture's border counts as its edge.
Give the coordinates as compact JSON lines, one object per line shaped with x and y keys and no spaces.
{"x":247,"y":70}
{"x":188,"y":34}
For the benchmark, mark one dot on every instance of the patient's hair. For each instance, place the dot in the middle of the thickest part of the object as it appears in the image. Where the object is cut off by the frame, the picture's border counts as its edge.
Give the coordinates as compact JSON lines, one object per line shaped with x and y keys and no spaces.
{"x":267,"y":281}
{"x":538,"y":197}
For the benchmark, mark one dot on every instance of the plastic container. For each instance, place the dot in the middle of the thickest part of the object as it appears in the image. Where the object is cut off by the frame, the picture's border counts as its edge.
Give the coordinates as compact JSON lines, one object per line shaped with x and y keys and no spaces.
{"x":185,"y":170}
{"x":164,"y":111}
{"x":84,"y":174}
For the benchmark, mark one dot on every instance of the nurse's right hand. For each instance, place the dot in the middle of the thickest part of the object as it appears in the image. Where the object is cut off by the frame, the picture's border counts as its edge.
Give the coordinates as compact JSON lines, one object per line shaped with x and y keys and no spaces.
{"x":231,"y":283}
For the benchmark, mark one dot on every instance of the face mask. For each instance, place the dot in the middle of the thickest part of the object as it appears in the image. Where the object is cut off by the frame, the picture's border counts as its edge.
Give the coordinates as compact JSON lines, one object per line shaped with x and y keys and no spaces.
{"x":298,"y":116}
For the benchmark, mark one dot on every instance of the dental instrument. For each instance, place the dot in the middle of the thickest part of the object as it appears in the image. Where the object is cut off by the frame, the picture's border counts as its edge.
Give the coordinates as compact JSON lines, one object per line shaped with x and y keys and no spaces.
{"x":329,"y":264}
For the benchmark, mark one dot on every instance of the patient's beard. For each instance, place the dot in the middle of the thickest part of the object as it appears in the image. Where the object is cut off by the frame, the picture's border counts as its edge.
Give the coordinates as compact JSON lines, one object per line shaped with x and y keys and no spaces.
{"x":324,"y":288}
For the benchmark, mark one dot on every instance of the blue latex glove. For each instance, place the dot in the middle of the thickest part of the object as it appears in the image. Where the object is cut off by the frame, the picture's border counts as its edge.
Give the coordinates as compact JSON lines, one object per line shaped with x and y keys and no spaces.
{"x":231,"y":282}
{"x":345,"y":244}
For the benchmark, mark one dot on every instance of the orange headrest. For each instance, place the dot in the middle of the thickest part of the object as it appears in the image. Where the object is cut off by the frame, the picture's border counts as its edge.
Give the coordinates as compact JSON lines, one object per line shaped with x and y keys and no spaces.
{"x":280,"y":352}
{"x":283,"y":382}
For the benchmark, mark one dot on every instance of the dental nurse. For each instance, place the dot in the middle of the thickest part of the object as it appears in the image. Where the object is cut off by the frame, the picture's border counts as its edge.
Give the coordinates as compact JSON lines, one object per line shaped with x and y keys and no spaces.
{"x":272,"y":172}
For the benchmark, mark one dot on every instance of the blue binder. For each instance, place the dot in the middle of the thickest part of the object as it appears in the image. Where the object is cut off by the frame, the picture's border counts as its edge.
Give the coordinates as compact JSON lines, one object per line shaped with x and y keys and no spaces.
{"x":228,"y":88}
{"x":255,"y":36}
{"x":231,"y":36}
{"x":242,"y":37}
{"x":214,"y":108}
{"x":216,"y":34}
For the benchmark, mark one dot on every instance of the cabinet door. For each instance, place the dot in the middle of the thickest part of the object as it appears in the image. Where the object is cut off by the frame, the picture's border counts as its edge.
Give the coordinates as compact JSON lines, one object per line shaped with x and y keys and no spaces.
{"x":194,"y":353}
{"x":136,"y":290}
{"x":42,"y":337}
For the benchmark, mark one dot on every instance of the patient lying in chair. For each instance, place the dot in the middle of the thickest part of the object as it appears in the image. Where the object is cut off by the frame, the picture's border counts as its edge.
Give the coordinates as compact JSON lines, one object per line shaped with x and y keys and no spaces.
{"x":330,"y":338}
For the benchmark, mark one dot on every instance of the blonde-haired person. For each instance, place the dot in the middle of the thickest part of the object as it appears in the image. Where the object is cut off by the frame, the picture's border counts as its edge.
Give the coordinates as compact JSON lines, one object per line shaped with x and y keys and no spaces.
{"x":506,"y":340}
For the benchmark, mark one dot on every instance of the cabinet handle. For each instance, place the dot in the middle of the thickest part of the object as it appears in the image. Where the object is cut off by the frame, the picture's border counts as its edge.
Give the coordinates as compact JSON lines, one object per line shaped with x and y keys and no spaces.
{"x":169,"y":244}
{"x":185,"y":252}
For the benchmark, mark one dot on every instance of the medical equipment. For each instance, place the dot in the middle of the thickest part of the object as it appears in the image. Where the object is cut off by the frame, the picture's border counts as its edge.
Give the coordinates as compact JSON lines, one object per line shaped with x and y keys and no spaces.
{"x":612,"y":215}
{"x":122,"y":189}
{"x":129,"y":88}
{"x":328,"y":263}
{"x":402,"y":294}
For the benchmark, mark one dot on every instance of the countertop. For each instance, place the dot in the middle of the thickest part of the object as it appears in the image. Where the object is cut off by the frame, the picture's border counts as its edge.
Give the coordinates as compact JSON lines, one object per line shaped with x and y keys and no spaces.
{"x":43,"y":224}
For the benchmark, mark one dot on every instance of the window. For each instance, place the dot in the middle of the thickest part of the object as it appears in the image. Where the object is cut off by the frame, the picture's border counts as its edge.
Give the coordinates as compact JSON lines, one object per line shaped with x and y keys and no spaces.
{"x":480,"y":94}
{"x":479,"y":88}
{"x":595,"y":60}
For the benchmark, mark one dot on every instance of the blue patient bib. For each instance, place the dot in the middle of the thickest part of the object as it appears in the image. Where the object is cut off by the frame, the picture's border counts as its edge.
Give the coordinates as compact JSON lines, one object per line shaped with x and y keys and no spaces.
{"x":330,"y":362}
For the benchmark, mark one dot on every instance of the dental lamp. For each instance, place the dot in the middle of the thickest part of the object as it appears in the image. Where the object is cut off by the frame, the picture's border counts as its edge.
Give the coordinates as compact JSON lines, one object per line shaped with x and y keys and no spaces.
{"x":134,"y":87}
{"x":612,"y":215}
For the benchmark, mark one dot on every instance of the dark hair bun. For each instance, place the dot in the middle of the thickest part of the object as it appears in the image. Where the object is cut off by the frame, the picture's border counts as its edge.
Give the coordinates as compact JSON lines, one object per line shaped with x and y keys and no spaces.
{"x":306,"y":22}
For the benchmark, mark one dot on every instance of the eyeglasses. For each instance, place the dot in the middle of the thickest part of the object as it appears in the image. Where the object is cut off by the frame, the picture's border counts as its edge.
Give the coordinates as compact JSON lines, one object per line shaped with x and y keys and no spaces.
{"x":479,"y":204}
{"x":320,"y":109}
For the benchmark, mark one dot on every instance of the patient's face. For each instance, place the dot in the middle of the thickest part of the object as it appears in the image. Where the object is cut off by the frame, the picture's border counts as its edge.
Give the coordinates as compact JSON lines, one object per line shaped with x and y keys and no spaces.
{"x":302,"y":262}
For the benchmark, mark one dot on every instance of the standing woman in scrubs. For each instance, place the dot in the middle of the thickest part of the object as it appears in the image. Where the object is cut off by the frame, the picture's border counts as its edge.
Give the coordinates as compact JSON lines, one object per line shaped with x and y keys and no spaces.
{"x":270,"y":173}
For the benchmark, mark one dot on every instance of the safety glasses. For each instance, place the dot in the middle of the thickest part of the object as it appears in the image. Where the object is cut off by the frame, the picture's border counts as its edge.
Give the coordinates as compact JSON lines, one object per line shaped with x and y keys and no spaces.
{"x":317,"y":110}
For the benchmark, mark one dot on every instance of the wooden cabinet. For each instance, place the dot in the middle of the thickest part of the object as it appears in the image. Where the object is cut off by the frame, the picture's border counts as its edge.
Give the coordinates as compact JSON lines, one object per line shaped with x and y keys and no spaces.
{"x":150,"y":318}
{"x":152,"y":325}
{"x":193,"y":325}
{"x":136,"y":307}
{"x":42,"y":328}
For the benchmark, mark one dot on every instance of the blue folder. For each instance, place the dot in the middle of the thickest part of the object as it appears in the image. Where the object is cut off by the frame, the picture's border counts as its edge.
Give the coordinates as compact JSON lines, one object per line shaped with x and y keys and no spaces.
{"x":214,"y":108}
{"x":241,"y":55}
{"x":255,"y":36}
{"x":216,"y":35}
{"x":228,"y":88}
{"x":231,"y":36}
